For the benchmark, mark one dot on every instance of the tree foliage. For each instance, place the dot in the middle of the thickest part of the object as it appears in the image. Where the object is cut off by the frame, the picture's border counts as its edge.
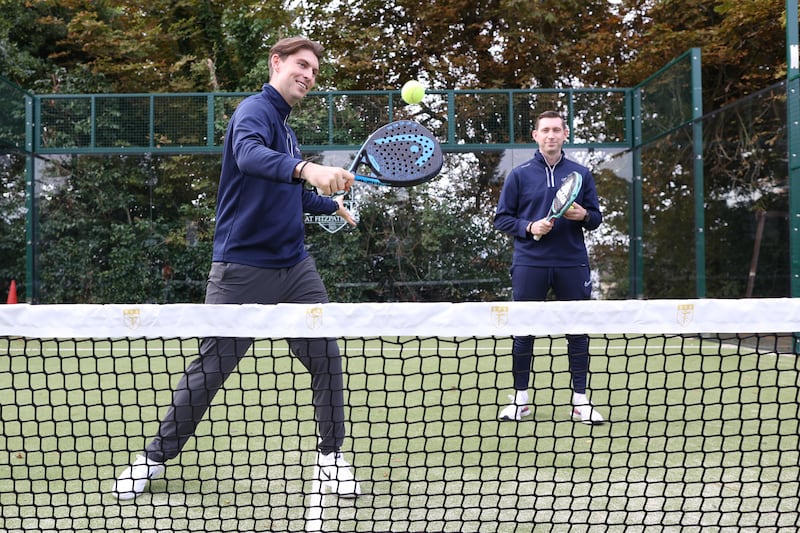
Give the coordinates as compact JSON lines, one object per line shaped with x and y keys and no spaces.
{"x":136,"y":230}
{"x":155,"y":46}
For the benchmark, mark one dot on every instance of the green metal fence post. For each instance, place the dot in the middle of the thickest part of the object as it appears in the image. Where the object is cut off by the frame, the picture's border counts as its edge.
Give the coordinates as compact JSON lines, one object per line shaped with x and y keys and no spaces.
{"x":699,"y":177}
{"x":32,"y":215}
{"x":793,"y":145}
{"x":636,"y":255}
{"x":210,"y":119}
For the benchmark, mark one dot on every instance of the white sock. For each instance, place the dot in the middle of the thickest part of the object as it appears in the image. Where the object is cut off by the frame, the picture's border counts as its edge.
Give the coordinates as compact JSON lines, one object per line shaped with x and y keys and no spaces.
{"x":579,"y":399}
{"x":521,"y":398}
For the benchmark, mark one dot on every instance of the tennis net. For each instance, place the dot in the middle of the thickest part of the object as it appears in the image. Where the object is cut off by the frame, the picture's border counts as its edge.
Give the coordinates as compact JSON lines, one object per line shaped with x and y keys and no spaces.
{"x":701,"y":399}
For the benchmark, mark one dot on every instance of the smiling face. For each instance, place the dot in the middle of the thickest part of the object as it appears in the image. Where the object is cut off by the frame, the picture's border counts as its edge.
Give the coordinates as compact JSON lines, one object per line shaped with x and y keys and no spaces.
{"x":294,"y":75}
{"x":550,"y":134}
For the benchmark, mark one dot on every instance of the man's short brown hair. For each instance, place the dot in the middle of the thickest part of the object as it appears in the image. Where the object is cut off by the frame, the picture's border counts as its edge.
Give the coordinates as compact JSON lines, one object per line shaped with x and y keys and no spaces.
{"x":550,"y":114}
{"x":291,"y":45}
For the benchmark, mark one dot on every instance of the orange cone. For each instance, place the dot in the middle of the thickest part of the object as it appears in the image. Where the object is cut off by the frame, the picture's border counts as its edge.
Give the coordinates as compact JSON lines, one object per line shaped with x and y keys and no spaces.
{"x":12,"y":293}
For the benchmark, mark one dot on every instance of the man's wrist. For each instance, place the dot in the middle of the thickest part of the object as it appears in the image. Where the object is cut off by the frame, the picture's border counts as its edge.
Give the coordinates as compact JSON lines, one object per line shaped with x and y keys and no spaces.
{"x":298,"y":170}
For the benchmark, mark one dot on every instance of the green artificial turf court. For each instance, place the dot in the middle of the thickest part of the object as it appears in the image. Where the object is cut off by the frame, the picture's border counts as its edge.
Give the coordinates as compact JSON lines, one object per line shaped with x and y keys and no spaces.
{"x":701,"y":434}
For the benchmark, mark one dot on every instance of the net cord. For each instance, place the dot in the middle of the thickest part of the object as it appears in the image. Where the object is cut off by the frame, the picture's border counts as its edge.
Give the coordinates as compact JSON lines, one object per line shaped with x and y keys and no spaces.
{"x":402,"y":319}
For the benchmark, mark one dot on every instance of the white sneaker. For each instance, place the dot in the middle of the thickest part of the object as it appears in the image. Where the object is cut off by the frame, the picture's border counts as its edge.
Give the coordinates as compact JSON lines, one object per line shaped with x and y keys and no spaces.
{"x":133,"y":479}
{"x":586,"y":413}
{"x":517,"y":410}
{"x":336,"y":474}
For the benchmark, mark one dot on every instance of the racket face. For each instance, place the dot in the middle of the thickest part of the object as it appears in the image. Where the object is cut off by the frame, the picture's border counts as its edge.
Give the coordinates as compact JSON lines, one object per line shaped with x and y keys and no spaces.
{"x":401,"y":154}
{"x":566,"y":194}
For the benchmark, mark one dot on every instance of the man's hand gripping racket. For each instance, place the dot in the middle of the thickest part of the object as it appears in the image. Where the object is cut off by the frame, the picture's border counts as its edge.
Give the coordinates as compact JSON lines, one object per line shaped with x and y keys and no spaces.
{"x":565,"y":195}
{"x":399,"y":154}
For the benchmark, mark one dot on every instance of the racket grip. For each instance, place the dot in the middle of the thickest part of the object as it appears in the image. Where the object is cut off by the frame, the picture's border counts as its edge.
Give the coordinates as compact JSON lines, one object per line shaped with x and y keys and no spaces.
{"x":537,"y":237}
{"x":367,"y":179}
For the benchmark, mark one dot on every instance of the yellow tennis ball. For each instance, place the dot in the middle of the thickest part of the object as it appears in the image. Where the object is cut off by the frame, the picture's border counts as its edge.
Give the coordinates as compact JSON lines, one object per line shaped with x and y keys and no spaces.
{"x":412,"y":92}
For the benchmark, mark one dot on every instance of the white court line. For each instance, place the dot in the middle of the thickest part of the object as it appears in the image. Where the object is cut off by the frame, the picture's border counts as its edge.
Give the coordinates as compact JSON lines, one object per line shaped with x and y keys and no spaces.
{"x":315,"y":505}
{"x":314,"y":512}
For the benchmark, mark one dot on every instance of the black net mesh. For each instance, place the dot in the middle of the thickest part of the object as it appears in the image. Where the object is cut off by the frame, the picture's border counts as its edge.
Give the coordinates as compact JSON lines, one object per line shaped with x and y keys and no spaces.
{"x":701,"y":430}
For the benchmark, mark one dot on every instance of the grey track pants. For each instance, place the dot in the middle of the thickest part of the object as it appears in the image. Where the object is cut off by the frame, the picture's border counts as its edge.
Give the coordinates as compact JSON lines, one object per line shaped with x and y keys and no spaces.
{"x":233,"y":283}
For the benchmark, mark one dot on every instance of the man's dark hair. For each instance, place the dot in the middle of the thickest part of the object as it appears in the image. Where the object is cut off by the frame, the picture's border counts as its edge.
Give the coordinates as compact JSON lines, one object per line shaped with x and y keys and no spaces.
{"x":291,"y":45}
{"x":550,"y":114}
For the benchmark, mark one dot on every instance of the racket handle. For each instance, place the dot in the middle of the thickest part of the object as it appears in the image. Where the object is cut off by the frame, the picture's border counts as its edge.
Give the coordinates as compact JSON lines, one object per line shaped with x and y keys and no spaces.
{"x":367,"y":179}
{"x":549,"y":218}
{"x":359,"y":177}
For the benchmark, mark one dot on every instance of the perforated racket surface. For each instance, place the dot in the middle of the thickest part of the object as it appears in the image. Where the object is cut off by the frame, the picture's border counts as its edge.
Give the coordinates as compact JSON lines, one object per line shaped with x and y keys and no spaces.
{"x":565,"y":195}
{"x":399,"y":154}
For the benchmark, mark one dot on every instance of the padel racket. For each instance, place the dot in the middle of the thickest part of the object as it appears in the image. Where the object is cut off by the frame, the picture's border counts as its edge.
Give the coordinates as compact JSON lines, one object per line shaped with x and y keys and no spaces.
{"x":399,"y":154}
{"x":565,"y":195}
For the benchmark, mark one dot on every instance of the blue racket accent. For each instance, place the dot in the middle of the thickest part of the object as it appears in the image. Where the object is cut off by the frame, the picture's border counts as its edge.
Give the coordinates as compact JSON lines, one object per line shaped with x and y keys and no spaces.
{"x":367,"y":179}
{"x":374,"y":164}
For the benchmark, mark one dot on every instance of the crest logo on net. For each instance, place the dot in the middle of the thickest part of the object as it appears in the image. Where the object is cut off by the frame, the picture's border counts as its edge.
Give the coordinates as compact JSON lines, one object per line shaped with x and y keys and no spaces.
{"x":131,"y":318}
{"x":314,"y":318}
{"x":685,"y":314}
{"x":499,"y":315}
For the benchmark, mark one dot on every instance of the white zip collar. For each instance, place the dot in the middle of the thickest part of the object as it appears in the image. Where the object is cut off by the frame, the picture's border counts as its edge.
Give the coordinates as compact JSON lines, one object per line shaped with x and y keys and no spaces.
{"x":551,"y":177}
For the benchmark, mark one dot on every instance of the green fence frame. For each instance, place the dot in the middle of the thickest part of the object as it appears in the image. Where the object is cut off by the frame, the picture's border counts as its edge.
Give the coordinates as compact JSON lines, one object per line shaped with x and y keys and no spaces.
{"x":76,"y":124}
{"x":442,"y":112}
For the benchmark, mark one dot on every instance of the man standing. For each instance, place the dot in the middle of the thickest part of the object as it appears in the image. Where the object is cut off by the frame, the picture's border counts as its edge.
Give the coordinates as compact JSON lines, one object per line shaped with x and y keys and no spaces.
{"x":558,"y":261}
{"x":260,"y":257}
